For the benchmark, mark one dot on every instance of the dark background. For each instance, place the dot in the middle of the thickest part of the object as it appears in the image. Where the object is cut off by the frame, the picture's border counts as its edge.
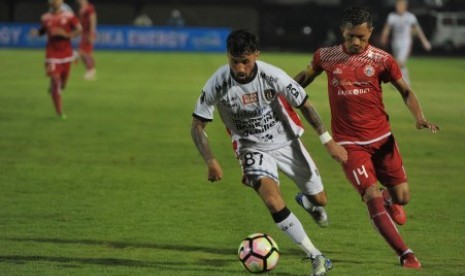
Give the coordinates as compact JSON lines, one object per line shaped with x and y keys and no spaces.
{"x":279,"y":23}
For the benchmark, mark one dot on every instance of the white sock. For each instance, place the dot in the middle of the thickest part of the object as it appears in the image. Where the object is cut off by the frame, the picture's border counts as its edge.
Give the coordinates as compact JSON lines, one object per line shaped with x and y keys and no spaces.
{"x":294,"y":229}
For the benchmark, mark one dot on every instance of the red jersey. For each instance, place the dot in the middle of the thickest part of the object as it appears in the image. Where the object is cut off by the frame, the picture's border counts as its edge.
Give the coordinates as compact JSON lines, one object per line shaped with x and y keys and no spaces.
{"x":84,"y":15}
{"x":59,"y":49}
{"x":355,"y":95}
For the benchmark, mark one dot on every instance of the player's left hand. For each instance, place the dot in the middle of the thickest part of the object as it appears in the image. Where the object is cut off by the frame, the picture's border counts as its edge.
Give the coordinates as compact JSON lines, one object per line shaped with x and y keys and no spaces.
{"x":425,"y":124}
{"x":337,"y":152}
{"x":427,"y":46}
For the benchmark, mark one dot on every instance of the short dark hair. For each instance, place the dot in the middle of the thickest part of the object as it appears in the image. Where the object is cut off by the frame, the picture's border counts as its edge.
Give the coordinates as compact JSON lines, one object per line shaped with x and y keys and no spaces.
{"x":241,"y":42}
{"x":357,"y":16}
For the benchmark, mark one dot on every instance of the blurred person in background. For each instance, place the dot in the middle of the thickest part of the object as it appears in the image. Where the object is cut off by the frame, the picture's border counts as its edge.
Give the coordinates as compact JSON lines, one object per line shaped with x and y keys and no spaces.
{"x":143,"y":20}
{"x":60,"y":26}
{"x":355,"y":70}
{"x":176,"y":19}
{"x":88,"y":17}
{"x":401,"y":23}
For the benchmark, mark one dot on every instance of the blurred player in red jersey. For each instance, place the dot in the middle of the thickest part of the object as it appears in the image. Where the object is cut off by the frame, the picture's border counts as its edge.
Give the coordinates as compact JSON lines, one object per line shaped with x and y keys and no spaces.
{"x":60,"y":26}
{"x":355,"y":70}
{"x":88,"y":18}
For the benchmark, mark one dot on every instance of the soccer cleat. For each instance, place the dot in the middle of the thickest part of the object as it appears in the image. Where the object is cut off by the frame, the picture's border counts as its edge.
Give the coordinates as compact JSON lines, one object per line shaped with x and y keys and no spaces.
{"x":408,"y":260}
{"x":91,"y":74}
{"x":320,"y":265}
{"x":396,"y":211}
{"x":318,"y":213}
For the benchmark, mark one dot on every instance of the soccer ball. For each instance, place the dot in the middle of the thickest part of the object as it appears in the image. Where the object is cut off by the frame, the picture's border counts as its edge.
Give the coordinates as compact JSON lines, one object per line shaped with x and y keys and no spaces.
{"x":258,"y":253}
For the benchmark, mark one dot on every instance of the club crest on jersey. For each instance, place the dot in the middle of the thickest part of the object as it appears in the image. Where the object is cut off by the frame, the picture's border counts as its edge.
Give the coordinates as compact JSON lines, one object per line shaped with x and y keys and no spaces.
{"x":369,"y":70}
{"x":269,"y":94}
{"x":250,"y":98}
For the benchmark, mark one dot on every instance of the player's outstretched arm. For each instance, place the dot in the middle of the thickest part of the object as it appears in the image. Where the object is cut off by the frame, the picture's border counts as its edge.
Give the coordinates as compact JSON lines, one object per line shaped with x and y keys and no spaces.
{"x":411,"y":101}
{"x":215,"y":173}
{"x":336,"y":151}
{"x":306,"y":77}
{"x":422,"y":37}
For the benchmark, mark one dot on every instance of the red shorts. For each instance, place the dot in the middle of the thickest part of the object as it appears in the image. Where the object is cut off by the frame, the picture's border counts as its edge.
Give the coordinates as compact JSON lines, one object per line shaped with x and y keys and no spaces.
{"x":379,"y":161}
{"x":86,"y":46}
{"x":60,"y":70}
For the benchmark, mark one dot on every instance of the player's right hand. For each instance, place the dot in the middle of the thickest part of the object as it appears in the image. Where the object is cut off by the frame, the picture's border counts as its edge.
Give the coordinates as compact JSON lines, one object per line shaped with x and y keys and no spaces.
{"x":337,"y":152}
{"x":215,"y":173}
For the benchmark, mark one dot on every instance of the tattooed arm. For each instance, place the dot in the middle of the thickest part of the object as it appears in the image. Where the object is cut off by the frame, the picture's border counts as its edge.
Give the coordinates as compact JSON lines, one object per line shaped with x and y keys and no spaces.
{"x":311,"y":115}
{"x":200,"y":139}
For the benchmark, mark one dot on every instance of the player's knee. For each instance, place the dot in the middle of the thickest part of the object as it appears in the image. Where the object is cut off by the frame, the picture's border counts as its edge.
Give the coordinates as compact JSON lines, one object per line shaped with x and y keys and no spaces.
{"x":371,"y":192}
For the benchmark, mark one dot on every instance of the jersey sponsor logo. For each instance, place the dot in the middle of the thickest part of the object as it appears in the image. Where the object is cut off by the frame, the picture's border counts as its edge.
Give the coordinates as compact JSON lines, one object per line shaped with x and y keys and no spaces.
{"x":269,"y":94}
{"x":250,"y":98}
{"x":293,"y":90}
{"x":369,"y":70}
{"x":268,"y":78}
{"x":252,"y":126}
{"x":353,"y":92}
{"x":337,"y":71}
{"x":249,"y":113}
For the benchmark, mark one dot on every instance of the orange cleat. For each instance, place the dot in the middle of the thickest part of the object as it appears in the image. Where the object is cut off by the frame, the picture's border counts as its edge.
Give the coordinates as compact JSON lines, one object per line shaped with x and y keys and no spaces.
{"x":409,"y":260}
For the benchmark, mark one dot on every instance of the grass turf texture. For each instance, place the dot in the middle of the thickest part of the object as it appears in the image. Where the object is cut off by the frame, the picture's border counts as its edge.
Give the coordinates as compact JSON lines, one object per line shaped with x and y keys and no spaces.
{"x":119,"y":188}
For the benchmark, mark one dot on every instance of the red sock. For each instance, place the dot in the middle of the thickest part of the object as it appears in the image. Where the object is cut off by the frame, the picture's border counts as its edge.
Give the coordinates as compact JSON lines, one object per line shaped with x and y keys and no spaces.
{"x":56,"y":95}
{"x":385,"y":225}
{"x":88,"y":61}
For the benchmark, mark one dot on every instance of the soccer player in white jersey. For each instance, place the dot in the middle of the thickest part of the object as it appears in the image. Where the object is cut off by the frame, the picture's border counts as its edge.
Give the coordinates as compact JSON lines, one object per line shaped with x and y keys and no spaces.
{"x":402,"y":22}
{"x":255,"y":101}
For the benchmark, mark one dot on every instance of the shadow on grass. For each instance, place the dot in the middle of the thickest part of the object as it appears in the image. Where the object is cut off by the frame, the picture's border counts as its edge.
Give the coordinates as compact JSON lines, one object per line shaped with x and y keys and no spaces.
{"x":206,"y":265}
{"x":122,"y":245}
{"x":115,"y":262}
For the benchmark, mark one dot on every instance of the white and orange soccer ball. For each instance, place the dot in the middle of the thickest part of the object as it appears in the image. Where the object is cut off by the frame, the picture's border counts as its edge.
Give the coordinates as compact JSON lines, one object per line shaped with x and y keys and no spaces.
{"x":258,"y":253}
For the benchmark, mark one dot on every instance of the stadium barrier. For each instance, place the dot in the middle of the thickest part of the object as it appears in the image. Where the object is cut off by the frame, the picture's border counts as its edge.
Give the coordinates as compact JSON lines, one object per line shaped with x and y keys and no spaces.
{"x":16,"y":35}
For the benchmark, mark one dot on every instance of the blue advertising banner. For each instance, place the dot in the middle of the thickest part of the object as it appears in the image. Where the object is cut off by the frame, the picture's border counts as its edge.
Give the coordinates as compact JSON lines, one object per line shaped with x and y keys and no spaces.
{"x":16,"y":35}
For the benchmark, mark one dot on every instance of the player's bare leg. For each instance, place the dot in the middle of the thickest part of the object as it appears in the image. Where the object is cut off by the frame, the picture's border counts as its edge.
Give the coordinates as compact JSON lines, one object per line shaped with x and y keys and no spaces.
{"x":386,"y":227}
{"x":55,"y":84}
{"x":269,"y":191}
{"x":314,"y":205}
{"x":394,"y":198}
{"x":89,"y":62}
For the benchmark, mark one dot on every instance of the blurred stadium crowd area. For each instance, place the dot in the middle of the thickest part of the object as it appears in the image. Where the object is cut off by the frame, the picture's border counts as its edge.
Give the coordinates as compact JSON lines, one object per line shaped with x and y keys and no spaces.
{"x":289,"y":25}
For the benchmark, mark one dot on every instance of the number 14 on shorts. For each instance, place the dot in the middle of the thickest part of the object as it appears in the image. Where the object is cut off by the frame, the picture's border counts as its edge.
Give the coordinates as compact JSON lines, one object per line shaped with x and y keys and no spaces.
{"x":360,"y":172}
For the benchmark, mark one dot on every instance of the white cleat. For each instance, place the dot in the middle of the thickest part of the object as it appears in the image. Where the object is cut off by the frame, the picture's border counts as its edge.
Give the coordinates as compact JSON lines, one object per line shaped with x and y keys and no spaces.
{"x":91,"y":74}
{"x":318,"y":213}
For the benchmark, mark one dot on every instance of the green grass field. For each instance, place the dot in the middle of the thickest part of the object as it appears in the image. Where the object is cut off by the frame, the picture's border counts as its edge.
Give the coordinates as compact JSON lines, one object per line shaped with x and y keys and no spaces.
{"x":119,"y":188}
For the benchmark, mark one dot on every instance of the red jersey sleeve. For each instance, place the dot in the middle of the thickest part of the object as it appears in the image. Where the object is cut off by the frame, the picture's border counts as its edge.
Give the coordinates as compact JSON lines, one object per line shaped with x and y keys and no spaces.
{"x":316,"y":62}
{"x":392,"y":72}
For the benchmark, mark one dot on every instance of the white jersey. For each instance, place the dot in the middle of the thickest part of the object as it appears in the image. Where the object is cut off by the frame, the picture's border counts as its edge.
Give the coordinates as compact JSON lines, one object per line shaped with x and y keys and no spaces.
{"x":257,"y":114}
{"x":401,"y":25}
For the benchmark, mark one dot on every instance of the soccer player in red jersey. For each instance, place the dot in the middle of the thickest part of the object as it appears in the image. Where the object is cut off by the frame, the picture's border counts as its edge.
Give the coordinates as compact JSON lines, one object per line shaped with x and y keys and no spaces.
{"x":60,"y":26}
{"x":355,"y":70}
{"x":88,"y":18}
